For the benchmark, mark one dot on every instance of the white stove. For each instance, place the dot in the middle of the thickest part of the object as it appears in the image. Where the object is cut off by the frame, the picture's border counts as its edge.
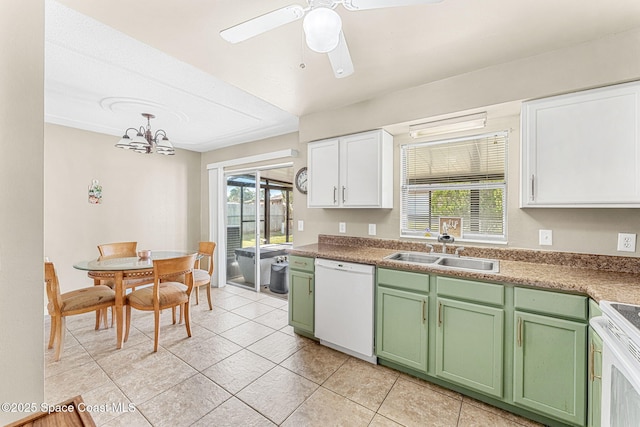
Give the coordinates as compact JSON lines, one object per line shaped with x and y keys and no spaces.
{"x":619,"y":328}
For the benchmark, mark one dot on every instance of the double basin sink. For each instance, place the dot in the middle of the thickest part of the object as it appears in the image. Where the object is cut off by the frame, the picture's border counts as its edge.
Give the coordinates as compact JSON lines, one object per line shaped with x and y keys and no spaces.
{"x":447,"y":261}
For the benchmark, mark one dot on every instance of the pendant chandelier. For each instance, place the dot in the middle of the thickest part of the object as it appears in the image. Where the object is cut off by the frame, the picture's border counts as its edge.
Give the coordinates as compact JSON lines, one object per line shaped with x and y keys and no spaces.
{"x":145,"y":141}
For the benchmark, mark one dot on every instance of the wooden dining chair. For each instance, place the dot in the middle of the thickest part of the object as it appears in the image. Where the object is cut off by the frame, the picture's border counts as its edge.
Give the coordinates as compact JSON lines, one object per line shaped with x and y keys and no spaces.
{"x":170,"y":276}
{"x":203,"y":277}
{"x":117,"y":250}
{"x":85,"y":300}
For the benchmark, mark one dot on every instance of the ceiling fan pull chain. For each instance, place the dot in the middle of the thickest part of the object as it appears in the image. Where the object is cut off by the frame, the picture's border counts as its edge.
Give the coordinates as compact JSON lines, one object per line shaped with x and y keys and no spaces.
{"x":302,"y":45}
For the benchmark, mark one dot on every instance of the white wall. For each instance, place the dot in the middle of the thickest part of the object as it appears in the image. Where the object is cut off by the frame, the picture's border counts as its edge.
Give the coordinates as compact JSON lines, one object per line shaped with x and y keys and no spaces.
{"x":606,"y":61}
{"x":151,"y":199}
{"x":21,"y":206}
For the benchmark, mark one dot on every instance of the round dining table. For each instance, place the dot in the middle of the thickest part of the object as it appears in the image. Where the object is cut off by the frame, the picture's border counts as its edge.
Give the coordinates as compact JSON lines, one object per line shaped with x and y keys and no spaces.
{"x":126,"y":273}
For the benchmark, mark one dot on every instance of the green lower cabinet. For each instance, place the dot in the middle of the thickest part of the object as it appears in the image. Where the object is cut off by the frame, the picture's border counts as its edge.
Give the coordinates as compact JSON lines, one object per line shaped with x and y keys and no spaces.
{"x":550,"y":366}
{"x":595,"y":379}
{"x":401,"y":327}
{"x":301,"y":301}
{"x":469,"y":345}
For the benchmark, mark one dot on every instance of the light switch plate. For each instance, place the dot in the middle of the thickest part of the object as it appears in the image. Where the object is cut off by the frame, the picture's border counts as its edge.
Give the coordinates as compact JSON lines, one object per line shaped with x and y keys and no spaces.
{"x":545,"y":238}
{"x":342,"y":227}
{"x":300,"y":225}
{"x":372,"y":229}
{"x":626,"y":242}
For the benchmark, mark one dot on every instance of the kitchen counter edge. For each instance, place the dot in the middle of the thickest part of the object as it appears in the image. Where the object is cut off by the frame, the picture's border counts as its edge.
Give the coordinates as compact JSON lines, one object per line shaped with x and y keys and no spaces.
{"x":598,"y":285}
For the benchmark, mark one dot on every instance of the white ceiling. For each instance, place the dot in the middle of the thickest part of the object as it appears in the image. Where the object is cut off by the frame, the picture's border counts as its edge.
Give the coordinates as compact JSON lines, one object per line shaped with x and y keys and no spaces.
{"x":99,"y":79}
{"x":173,"y":63}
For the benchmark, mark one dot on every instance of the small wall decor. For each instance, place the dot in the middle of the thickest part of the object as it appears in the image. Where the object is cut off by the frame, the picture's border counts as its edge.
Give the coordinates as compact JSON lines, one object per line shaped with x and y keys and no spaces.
{"x":95,"y":192}
{"x":453,"y":226}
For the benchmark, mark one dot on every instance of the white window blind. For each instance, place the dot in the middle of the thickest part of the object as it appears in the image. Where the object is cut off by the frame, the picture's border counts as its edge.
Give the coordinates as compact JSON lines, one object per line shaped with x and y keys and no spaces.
{"x":463,"y":177}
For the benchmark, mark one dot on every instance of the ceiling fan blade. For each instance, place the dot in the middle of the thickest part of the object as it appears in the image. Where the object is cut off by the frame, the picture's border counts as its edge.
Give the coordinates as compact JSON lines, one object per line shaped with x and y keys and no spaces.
{"x":262,"y":23}
{"x":341,"y":59}
{"x":377,"y":4}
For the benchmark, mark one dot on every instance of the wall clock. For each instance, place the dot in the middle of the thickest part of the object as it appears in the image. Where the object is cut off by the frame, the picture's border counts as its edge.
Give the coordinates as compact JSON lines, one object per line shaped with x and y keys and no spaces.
{"x":301,"y":180}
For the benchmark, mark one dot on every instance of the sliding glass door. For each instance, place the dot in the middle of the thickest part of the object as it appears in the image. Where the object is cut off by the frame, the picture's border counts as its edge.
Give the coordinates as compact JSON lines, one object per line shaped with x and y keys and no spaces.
{"x":245,"y":226}
{"x":259,"y":224}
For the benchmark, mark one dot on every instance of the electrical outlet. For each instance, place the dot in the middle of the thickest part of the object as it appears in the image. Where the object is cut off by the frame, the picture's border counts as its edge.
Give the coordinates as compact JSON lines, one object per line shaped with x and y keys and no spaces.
{"x":372,"y":229}
{"x":626,"y":242}
{"x":545,"y":237}
{"x":342,"y":227}
{"x":300,"y":225}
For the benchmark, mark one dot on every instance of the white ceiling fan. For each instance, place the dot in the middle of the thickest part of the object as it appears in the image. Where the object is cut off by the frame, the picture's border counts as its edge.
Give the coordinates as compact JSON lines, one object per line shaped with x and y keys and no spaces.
{"x":322,"y":26}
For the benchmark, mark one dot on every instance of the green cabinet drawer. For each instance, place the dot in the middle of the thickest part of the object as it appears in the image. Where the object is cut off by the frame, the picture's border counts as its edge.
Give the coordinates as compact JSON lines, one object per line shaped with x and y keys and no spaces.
{"x":403,"y":280}
{"x":553,"y":303}
{"x":489,"y":293}
{"x":301,"y":263}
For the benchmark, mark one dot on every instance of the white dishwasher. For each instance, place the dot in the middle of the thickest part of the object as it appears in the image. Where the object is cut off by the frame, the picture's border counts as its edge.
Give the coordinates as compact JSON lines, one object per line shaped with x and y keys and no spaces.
{"x":344,"y":307}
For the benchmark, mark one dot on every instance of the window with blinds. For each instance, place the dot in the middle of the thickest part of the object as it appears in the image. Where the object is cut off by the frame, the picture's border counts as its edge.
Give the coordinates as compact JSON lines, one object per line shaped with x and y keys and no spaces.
{"x":463,"y":177}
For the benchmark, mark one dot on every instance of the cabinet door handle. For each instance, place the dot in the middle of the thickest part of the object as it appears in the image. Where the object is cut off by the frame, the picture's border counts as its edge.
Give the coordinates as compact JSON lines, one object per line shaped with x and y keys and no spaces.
{"x":424,"y":314}
{"x":519,"y":332}
{"x":439,"y":314}
{"x":592,"y":363}
{"x":335,"y":190}
{"x":309,"y":281}
{"x":533,"y":188}
{"x":344,"y":190}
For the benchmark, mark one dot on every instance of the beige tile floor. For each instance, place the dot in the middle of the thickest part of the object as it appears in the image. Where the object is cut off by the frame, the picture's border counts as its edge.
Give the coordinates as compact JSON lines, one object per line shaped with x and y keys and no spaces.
{"x":243,"y":366}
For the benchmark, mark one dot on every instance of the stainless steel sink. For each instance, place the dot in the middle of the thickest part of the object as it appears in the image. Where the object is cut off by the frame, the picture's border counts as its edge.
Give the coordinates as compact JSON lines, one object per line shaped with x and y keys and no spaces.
{"x":415,"y":257}
{"x":476,"y":264}
{"x":447,"y":261}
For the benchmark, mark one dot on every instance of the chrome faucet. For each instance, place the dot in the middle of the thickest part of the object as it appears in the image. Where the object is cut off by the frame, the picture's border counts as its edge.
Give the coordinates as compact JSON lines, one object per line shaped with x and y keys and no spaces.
{"x":430,"y":247}
{"x":444,"y":238}
{"x":458,"y":250}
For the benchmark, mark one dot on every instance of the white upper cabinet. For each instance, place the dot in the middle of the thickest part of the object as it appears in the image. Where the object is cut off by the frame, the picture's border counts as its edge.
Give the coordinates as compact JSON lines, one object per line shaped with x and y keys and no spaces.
{"x":582,"y":149}
{"x":323,"y":179}
{"x":353,"y":171}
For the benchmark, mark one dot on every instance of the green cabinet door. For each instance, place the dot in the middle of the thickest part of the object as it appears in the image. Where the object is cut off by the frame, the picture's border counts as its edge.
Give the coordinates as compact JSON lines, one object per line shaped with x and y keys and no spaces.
{"x":469,"y":345}
{"x":401,"y":327}
{"x":595,"y":379}
{"x":301,"y":301}
{"x":550,"y":366}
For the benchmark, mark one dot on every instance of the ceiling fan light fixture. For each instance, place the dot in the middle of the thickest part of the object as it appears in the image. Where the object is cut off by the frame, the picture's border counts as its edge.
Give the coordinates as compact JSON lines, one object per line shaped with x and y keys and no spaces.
{"x":322,"y":28}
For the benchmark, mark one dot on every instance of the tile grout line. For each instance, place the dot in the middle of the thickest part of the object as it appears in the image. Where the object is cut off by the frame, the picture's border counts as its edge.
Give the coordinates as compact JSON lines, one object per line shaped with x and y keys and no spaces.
{"x":301,"y":344}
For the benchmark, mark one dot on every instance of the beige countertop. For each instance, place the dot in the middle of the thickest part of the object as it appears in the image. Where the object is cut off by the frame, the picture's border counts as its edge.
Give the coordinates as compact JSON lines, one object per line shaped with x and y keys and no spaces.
{"x":597,"y":283}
